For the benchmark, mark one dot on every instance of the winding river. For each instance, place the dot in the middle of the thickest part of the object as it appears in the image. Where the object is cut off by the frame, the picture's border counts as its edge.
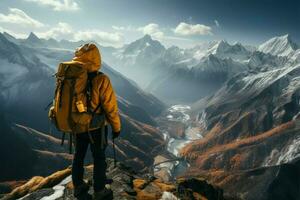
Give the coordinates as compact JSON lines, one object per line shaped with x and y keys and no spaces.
{"x":178,"y":113}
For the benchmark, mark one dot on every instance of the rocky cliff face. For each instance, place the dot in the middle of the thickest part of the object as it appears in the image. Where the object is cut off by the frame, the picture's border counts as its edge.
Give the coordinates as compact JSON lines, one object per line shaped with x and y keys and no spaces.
{"x":250,"y":123}
{"x":251,"y":128}
{"x":266,"y":183}
{"x":126,"y":184}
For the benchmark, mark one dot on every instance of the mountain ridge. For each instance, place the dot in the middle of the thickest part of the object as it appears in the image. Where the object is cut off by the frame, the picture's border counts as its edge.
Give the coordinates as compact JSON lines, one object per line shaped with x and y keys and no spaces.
{"x":282,"y":46}
{"x":248,"y":122}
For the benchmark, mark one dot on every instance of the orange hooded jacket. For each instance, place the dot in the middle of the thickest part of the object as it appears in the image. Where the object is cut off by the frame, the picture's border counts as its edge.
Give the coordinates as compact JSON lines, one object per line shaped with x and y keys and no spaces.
{"x":102,"y":91}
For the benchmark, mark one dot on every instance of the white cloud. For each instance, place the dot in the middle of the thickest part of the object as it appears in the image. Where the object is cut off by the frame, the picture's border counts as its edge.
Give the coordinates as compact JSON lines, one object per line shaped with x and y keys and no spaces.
{"x":104,"y":38}
{"x":153,"y":30}
{"x":192,"y":29}
{"x":19,"y":17}
{"x":217,"y":23}
{"x":58,"y":5}
{"x":123,"y":28}
{"x":61,"y":30}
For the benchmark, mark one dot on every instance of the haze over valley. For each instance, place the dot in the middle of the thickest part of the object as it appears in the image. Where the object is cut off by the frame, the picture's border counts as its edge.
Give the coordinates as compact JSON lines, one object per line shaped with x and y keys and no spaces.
{"x":219,"y":110}
{"x":208,"y":94}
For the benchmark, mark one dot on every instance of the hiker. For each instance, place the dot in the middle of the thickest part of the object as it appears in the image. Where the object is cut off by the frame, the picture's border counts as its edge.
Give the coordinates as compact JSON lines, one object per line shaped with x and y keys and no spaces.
{"x":94,"y":99}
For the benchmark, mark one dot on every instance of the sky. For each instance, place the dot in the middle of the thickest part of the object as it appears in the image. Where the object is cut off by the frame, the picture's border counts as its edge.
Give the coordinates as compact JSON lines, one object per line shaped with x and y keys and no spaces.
{"x":184,"y":23}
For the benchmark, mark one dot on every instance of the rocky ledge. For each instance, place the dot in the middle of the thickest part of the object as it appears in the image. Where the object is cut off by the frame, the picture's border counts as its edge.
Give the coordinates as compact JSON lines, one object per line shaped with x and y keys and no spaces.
{"x":126,"y":185}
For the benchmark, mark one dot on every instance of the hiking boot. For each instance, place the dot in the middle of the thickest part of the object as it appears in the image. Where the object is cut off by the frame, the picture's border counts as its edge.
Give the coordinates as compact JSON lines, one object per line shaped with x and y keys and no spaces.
{"x":81,"y":192}
{"x":105,"y":194}
{"x":85,"y":196}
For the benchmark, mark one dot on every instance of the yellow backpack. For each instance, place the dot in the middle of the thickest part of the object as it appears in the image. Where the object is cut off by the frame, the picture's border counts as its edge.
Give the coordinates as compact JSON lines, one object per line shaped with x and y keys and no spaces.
{"x":70,"y":108}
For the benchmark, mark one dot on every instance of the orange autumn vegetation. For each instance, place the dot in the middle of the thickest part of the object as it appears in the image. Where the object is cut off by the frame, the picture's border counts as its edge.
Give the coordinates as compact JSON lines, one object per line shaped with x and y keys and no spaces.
{"x":38,"y":182}
{"x":189,"y":151}
{"x":155,"y":193}
{"x":217,"y":131}
{"x":192,"y":153}
{"x":236,"y":161}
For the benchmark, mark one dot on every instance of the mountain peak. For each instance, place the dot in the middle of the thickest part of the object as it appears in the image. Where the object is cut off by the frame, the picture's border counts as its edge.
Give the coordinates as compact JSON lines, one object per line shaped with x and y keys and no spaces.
{"x":287,"y":36}
{"x":219,"y":47}
{"x":144,"y":43}
{"x":32,"y":36}
{"x":4,"y":41}
{"x":33,"y":40}
{"x":280,"y":46}
{"x":10,"y":38}
{"x":2,"y":36}
{"x":222,"y":44}
{"x":147,"y":37}
{"x":6,"y":34}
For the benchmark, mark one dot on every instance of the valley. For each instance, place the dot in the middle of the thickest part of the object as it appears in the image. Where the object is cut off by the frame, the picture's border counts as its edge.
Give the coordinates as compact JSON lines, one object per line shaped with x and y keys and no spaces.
{"x":222,"y":112}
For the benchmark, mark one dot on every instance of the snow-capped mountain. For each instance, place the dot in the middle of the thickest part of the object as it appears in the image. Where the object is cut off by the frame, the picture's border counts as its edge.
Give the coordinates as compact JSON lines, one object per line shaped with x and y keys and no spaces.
{"x":33,"y":40}
{"x":259,"y":60}
{"x":27,"y":75}
{"x":212,"y":64}
{"x":174,"y":54}
{"x":251,"y":123}
{"x":139,"y":51}
{"x":247,"y":110}
{"x":144,"y":46}
{"x":10,"y":38}
{"x":215,"y":60}
{"x":150,"y":64}
{"x":136,"y":60}
{"x":156,"y":68}
{"x":223,"y":49}
{"x":20,"y":67}
{"x":280,"y":46}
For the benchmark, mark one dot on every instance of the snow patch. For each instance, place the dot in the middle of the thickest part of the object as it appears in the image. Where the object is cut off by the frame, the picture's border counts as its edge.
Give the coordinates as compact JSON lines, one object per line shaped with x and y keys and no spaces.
{"x":58,"y":190}
{"x":192,"y":133}
{"x":291,"y":153}
{"x":286,"y":155}
{"x":202,"y":120}
{"x":270,"y":160}
{"x":280,"y":46}
{"x":175,"y":145}
{"x":168,"y":196}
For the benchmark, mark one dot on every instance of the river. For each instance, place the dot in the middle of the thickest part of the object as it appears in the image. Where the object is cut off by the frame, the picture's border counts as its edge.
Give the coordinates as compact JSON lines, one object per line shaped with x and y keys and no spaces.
{"x":178,"y":114}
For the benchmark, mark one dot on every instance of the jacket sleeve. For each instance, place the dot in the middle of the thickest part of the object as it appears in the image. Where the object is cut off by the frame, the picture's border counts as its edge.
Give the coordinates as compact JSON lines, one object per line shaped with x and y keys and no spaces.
{"x":107,"y":98}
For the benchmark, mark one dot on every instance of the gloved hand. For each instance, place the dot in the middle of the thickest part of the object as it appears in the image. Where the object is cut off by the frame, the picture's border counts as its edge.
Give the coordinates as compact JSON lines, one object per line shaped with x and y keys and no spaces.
{"x":115,"y":134}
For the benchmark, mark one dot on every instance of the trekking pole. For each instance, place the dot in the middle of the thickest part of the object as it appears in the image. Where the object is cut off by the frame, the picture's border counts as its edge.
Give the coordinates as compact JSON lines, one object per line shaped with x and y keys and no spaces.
{"x":114,"y":151}
{"x":63,"y":139}
{"x":70,"y":143}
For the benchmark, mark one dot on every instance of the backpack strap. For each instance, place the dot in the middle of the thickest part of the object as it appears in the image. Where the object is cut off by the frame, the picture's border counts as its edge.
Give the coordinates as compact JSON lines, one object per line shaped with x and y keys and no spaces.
{"x":91,"y":76}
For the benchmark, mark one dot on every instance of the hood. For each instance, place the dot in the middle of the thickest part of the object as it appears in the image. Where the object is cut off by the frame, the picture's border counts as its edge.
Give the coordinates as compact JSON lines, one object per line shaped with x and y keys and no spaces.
{"x":88,"y":55}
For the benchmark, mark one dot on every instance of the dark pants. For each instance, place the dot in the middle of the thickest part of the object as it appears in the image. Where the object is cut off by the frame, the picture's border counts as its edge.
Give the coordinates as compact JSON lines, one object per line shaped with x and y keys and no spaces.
{"x":82,"y":141}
